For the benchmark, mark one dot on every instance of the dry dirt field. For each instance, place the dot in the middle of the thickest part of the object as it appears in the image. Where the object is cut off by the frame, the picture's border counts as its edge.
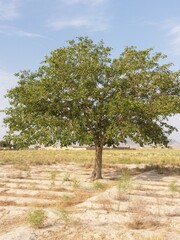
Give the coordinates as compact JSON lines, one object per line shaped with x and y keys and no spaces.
{"x":136,"y":203}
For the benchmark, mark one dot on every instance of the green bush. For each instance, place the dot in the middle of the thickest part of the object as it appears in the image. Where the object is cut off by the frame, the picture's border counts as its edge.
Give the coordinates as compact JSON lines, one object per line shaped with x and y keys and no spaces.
{"x":36,"y":218}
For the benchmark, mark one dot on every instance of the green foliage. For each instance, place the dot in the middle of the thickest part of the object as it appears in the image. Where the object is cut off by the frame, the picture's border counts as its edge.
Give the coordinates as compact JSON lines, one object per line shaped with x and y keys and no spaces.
{"x":36,"y":218}
{"x":81,"y":94}
{"x":3,"y":144}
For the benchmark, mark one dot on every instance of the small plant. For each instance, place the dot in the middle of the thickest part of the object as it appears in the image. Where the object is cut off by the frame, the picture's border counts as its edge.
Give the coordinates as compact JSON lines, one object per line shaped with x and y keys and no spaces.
{"x":65,"y":200}
{"x":97,"y":185}
{"x":105,"y":203}
{"x":63,"y":215}
{"x":124,"y":183}
{"x":76,"y":183}
{"x":138,"y":222}
{"x":173,"y":186}
{"x":66,"y":177}
{"x":53,"y":177}
{"x":36,"y":218}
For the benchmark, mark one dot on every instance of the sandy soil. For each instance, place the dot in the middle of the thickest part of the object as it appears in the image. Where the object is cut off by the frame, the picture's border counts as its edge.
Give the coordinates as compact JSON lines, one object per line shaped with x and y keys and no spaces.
{"x":147,"y":205}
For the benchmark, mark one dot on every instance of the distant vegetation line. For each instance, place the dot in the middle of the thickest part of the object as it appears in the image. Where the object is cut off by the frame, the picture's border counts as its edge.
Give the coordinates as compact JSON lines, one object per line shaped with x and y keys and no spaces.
{"x":140,"y":156}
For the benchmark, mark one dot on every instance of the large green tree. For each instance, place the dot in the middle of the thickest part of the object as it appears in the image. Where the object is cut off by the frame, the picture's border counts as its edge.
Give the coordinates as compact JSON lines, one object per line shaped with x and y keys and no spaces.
{"x":80,"y":94}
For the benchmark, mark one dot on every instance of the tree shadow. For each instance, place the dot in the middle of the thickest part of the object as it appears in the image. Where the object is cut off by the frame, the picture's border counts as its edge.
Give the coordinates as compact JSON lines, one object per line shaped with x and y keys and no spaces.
{"x":151,"y":172}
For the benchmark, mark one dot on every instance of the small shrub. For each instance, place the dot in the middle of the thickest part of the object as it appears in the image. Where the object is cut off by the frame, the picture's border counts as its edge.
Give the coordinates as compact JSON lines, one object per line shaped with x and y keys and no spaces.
{"x":66,"y":198}
{"x":124,"y":183}
{"x":76,"y":183}
{"x":97,"y":185}
{"x":36,"y":218}
{"x":138,"y":222}
{"x":105,"y":203}
{"x":62,"y":214}
{"x":66,"y":177}
{"x":173,"y":186}
{"x":53,"y":177}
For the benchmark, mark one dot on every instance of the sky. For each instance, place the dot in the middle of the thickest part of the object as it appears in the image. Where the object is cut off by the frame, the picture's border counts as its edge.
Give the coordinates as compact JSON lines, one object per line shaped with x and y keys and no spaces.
{"x":31,"y":29}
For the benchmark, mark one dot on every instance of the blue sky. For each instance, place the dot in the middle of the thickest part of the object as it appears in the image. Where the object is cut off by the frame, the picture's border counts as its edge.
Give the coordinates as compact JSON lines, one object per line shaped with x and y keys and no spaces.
{"x":30,"y":29}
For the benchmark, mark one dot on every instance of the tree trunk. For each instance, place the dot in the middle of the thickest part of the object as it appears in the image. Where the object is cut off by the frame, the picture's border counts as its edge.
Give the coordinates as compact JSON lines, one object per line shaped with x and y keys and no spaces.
{"x":97,"y":172}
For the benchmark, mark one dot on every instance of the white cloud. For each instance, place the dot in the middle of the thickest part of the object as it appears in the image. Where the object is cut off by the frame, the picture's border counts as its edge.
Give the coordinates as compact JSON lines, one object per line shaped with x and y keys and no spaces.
{"x":91,"y":23}
{"x":91,"y":15}
{"x":9,"y":9}
{"x":22,"y":33}
{"x":174,"y":39}
{"x":173,"y":36}
{"x":12,"y":31}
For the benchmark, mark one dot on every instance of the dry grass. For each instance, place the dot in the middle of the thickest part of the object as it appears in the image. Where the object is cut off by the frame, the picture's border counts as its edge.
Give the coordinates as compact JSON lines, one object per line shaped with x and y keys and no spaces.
{"x":136,"y":214}
{"x":137,"y":222}
{"x":106,"y":204}
{"x":79,"y":197}
{"x":11,"y":223}
{"x":157,"y":157}
{"x":141,"y":218}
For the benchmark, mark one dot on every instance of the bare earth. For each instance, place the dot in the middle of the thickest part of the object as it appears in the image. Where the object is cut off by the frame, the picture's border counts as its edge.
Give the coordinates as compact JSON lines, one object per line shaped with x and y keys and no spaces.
{"x":148,"y":207}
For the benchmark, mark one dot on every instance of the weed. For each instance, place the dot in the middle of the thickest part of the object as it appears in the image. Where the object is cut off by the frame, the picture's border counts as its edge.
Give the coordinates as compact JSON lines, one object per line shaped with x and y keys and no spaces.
{"x":98,"y":186}
{"x":66,"y":198}
{"x":139,"y":207}
{"x":36,"y":218}
{"x":105,"y":203}
{"x":138,"y":222}
{"x":76,"y":183}
{"x":141,"y":218}
{"x":53,"y":177}
{"x":62,"y":214}
{"x":66,"y":178}
{"x":173,"y":186}
{"x":125,"y":183}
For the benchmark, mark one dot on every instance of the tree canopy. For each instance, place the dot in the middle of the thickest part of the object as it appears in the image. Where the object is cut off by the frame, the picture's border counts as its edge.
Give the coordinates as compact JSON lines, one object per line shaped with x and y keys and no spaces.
{"x":81,"y":94}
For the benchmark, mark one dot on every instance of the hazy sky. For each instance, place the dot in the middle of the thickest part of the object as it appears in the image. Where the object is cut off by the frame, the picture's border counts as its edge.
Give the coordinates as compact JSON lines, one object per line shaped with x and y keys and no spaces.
{"x":30,"y":29}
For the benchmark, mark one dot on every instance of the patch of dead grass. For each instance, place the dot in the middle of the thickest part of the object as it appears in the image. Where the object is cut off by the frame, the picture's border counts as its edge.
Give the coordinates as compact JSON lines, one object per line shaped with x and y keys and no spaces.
{"x":139,"y":222}
{"x":105,"y":204}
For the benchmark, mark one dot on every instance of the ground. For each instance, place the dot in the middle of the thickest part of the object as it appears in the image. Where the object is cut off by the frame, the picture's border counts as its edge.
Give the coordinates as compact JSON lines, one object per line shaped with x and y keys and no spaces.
{"x":131,"y":202}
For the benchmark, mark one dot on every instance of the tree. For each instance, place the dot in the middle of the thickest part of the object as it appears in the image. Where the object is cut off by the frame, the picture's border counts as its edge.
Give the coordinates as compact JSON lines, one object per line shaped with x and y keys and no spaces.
{"x":80,"y":94}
